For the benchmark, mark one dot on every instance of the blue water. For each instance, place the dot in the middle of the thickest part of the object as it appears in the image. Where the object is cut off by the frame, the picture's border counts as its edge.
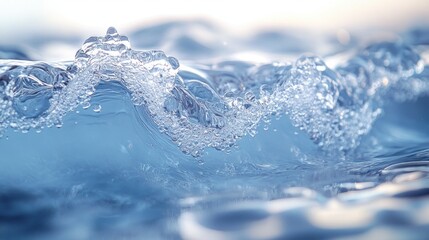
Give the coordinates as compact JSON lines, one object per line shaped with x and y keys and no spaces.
{"x":250,"y":139}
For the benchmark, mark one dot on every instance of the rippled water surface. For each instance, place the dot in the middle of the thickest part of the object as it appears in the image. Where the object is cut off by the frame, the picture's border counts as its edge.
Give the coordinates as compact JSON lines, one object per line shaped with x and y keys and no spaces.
{"x":243,"y":138}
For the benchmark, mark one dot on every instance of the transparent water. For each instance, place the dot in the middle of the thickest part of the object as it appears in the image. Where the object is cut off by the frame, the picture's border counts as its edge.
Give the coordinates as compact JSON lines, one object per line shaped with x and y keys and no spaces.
{"x":249,"y":139}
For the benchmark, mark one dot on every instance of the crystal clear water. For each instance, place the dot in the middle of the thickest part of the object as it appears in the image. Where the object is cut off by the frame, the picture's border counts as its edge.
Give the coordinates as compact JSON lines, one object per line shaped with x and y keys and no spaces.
{"x":250,"y":139}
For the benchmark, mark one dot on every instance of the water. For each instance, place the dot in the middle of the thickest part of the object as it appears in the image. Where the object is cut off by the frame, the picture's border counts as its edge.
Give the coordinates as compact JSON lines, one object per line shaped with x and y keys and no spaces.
{"x":217,"y":142}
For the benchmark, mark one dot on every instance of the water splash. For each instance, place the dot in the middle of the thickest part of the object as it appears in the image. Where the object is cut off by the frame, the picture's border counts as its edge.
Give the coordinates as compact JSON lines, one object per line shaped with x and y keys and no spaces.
{"x":215,"y":105}
{"x":109,"y":173}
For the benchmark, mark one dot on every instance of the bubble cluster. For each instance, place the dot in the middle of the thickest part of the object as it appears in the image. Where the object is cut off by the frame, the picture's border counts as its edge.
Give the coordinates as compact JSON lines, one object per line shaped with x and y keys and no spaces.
{"x":26,"y":92}
{"x":215,"y":105}
{"x":381,"y":67}
{"x":38,"y":95}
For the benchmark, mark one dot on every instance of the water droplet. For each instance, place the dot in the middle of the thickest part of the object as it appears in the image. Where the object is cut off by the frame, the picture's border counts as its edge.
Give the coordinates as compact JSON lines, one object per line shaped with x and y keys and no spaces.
{"x":111,"y":31}
{"x":86,"y":105}
{"x":173,"y":62}
{"x":97,"y":108}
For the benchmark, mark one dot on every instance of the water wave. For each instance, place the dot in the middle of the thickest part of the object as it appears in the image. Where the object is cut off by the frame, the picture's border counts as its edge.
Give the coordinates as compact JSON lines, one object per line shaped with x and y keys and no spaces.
{"x":325,"y":149}
{"x":214,"y":105}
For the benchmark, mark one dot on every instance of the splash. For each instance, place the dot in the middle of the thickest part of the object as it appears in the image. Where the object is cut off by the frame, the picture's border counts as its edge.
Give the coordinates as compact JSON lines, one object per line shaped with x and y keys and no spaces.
{"x":215,"y":105}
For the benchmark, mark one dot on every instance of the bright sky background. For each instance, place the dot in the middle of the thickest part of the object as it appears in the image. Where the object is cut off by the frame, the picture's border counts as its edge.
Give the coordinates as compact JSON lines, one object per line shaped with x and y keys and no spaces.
{"x":23,"y":18}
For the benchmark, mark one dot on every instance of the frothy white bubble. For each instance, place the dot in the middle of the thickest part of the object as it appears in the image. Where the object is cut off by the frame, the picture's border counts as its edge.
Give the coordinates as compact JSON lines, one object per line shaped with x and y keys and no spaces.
{"x":217,"y":105}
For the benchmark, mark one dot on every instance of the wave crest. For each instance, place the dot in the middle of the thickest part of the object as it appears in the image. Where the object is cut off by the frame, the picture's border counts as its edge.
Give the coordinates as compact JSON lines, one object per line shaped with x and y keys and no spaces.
{"x":215,"y":105}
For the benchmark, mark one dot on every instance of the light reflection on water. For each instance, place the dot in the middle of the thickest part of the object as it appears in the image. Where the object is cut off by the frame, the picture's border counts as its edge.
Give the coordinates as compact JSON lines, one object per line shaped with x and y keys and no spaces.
{"x":109,"y":173}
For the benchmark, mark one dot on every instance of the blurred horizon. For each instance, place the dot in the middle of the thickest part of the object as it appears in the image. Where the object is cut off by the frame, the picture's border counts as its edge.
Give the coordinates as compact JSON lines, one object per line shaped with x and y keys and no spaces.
{"x":21,"y":19}
{"x":41,"y":27}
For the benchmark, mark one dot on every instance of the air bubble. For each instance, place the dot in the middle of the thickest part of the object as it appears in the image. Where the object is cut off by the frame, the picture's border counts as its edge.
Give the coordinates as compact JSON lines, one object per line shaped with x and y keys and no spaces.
{"x":173,"y":62}
{"x":216,"y":105}
{"x":112,"y":31}
{"x":97,"y":108}
{"x":86,"y":105}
